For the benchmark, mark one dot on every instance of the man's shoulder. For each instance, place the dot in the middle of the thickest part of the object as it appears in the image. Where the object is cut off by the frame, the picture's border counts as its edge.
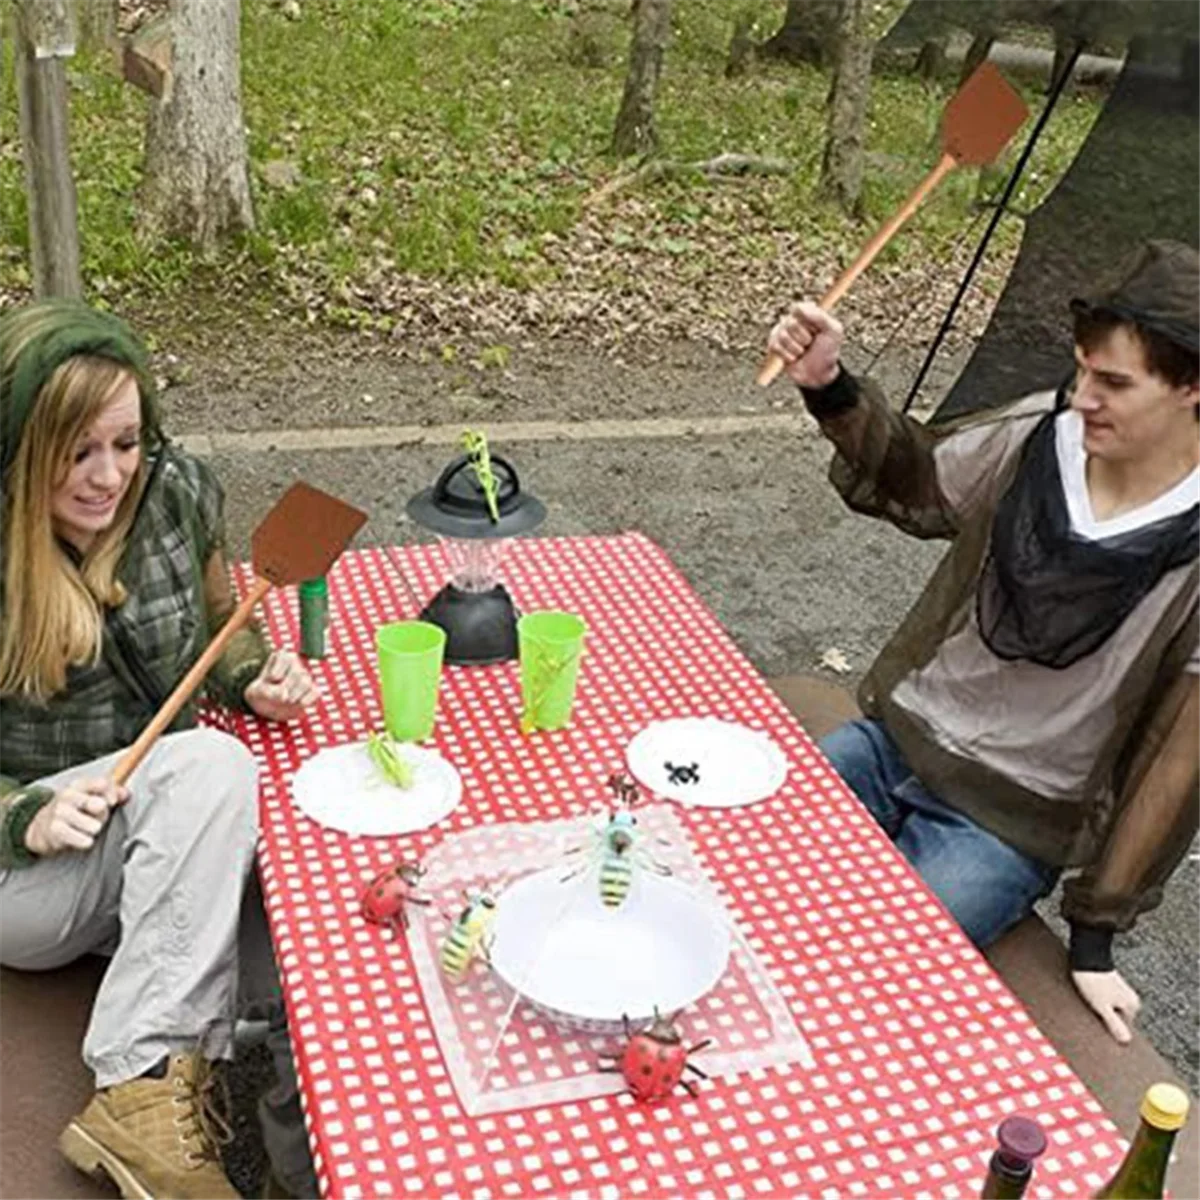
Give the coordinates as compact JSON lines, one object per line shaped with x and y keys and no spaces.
{"x":1026,"y":411}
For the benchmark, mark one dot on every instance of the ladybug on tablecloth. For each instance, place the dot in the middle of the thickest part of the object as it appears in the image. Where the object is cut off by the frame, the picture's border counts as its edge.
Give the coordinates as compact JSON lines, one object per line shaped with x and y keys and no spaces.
{"x":386,"y":899}
{"x":654,"y":1060}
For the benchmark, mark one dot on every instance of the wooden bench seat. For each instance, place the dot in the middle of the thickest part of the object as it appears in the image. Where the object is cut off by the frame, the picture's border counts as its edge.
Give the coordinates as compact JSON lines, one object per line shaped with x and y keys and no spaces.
{"x":42,"y":1019}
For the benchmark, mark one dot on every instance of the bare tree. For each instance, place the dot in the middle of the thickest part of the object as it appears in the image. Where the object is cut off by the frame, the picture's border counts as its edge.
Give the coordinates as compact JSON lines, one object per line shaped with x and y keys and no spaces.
{"x":977,"y":51}
{"x":45,"y":38}
{"x":808,"y":33}
{"x":845,"y":131}
{"x":196,"y":183}
{"x":97,"y":20}
{"x":634,"y":132}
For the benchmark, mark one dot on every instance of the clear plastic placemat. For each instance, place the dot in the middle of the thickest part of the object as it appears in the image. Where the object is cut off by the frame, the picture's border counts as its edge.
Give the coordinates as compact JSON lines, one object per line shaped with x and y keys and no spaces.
{"x":504,"y":1050}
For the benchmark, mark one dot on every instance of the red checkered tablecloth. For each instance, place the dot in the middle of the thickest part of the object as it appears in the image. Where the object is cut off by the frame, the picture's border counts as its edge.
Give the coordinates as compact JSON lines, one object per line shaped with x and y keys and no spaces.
{"x":920,"y":1049}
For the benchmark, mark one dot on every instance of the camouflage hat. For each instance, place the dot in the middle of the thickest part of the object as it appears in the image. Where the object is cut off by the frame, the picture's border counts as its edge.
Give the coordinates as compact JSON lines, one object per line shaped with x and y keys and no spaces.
{"x":1156,"y":287}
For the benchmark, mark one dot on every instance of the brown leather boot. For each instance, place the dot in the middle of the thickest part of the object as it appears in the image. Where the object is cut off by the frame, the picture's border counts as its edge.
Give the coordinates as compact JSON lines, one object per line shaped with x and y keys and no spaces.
{"x":155,"y":1137}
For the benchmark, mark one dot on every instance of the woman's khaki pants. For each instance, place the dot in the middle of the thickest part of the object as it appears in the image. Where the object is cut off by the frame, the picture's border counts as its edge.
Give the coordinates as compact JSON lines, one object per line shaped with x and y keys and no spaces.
{"x":164,"y":892}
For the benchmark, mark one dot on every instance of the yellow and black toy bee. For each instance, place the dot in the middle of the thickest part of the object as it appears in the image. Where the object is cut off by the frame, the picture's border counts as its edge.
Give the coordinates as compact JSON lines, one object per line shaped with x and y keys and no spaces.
{"x":467,"y":938}
{"x":617,"y":849}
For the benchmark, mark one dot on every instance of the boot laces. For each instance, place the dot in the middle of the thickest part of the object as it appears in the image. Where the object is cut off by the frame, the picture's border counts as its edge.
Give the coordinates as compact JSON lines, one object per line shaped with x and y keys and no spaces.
{"x":203,"y":1102}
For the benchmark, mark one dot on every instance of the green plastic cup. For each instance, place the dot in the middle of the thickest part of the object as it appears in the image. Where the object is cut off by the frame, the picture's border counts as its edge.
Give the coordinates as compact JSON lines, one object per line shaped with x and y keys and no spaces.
{"x":551,"y":645}
{"x":410,"y":669}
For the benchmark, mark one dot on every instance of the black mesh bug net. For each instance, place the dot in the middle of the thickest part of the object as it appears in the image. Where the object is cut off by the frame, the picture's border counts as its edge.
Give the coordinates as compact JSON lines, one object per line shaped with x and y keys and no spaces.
{"x":1135,"y":177}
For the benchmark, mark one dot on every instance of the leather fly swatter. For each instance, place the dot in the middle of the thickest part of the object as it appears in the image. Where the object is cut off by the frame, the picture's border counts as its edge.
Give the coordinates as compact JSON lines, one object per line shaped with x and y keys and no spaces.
{"x":977,"y":124}
{"x":298,"y":539}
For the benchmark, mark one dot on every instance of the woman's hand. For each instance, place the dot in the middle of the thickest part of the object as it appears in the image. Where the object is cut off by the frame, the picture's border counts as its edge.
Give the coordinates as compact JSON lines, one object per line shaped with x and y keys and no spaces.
{"x":1110,"y":998}
{"x":74,"y":818}
{"x":283,"y":689}
{"x":809,"y":341}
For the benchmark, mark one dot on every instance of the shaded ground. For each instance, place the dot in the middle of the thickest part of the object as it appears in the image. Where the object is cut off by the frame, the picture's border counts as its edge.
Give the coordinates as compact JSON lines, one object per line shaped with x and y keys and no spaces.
{"x":749,"y":518}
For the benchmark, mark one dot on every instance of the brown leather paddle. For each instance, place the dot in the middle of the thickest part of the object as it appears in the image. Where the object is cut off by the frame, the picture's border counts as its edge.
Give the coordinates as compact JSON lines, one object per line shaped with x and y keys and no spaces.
{"x":977,"y":124}
{"x":298,"y":539}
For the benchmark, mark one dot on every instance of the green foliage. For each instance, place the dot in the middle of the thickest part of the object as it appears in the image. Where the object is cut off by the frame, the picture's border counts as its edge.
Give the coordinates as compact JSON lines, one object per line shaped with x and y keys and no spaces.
{"x":456,"y":139}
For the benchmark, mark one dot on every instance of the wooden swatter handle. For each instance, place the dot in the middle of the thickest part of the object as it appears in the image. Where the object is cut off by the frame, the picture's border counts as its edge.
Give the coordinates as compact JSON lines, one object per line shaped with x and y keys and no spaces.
{"x":132,"y":757}
{"x":770,"y":369}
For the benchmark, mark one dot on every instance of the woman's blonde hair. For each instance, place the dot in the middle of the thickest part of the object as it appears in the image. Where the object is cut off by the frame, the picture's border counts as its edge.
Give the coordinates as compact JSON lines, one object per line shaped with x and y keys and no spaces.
{"x":52,"y":608}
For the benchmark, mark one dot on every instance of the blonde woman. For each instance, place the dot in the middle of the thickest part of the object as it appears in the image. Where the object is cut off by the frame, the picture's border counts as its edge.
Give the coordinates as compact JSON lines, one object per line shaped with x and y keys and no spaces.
{"x":114,"y":576}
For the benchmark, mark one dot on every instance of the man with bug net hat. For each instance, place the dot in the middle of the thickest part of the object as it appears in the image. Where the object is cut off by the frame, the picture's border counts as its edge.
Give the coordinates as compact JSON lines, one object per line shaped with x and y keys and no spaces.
{"x":1036,"y":712}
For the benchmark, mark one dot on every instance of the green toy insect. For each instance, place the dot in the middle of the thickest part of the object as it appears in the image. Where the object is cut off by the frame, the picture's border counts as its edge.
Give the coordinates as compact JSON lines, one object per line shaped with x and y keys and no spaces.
{"x":384,"y":752}
{"x":475,"y":444}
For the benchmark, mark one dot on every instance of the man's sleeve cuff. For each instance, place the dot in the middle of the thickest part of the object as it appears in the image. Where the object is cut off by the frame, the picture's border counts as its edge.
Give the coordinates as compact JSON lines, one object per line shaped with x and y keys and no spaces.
{"x":1091,"y":948}
{"x":834,"y":398}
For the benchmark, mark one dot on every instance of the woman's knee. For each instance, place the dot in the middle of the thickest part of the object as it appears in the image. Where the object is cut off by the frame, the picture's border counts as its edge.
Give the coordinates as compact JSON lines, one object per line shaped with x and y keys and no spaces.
{"x":217,"y":771}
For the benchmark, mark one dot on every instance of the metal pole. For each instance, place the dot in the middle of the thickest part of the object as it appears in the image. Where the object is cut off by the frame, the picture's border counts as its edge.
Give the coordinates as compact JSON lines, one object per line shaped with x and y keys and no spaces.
{"x":1002,"y":206}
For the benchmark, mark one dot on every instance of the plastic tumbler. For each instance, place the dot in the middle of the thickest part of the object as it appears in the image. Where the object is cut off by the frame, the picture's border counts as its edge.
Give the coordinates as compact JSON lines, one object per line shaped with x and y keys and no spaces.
{"x":551,"y":645}
{"x":410,"y":668}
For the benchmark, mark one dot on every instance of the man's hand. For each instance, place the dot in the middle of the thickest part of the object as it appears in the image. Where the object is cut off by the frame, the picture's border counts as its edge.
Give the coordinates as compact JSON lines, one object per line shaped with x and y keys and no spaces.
{"x":74,"y":818}
{"x":809,"y":341}
{"x":283,"y":689}
{"x":1110,"y":998}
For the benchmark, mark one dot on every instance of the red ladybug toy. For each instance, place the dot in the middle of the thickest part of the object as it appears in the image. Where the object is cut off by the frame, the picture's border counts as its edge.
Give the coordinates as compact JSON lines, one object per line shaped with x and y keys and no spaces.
{"x":384,"y":902}
{"x":654,"y":1061}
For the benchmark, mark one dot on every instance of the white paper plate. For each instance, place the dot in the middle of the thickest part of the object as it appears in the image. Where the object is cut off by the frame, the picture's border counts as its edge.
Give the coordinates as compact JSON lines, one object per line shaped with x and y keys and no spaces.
{"x":717,"y":764}
{"x":341,"y":788}
{"x":591,"y":966}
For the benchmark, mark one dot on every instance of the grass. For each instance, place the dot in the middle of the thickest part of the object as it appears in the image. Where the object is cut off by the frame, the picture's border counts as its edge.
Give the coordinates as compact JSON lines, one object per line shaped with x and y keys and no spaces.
{"x":455,"y":139}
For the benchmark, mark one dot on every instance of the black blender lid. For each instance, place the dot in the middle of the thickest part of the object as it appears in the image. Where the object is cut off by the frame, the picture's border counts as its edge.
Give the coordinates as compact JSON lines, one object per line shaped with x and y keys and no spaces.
{"x":456,"y":505}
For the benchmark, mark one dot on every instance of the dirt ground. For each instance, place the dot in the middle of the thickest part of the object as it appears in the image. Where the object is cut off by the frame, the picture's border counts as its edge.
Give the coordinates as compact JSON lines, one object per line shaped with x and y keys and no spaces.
{"x":749,"y":516}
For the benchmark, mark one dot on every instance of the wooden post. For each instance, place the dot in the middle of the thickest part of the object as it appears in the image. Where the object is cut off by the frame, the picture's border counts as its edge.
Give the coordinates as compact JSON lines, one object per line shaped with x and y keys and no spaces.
{"x":44,"y":39}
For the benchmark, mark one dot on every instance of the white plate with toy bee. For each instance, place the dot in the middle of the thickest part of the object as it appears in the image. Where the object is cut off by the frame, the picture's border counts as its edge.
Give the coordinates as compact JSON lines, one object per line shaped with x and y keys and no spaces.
{"x":377,"y":787}
{"x":703,"y":762}
{"x":608,"y":935}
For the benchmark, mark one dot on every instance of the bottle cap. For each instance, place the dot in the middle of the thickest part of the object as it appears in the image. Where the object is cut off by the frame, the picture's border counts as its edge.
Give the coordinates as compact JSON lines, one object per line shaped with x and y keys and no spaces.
{"x":1021,"y":1138}
{"x":1165,"y":1106}
{"x":314,"y":587}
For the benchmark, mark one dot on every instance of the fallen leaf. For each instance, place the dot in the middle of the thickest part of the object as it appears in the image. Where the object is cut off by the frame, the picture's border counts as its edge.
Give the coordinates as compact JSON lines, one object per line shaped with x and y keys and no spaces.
{"x":834,"y":660}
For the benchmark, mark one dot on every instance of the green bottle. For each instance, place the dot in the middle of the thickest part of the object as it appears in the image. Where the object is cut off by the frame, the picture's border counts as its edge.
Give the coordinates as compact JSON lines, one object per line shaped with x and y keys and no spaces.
{"x":314,"y":616}
{"x":1019,"y":1141}
{"x":1142,"y":1175}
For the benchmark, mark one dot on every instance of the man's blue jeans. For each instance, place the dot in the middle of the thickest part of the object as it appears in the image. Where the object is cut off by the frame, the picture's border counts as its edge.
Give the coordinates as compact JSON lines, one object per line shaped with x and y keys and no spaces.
{"x":986,"y":884}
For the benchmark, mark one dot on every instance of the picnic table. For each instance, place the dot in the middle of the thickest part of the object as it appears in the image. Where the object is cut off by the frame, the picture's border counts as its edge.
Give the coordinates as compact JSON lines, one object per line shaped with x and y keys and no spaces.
{"x":920,"y":1050}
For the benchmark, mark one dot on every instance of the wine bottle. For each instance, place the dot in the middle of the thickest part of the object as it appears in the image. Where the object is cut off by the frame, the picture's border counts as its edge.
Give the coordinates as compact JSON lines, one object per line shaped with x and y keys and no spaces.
{"x":1143,"y":1173}
{"x":1019,"y":1141}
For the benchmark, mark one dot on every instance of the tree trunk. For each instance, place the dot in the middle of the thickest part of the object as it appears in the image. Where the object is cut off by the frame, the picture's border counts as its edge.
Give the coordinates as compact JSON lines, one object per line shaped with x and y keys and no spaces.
{"x":931,"y":60}
{"x":196,"y":185}
{"x":808,"y":33}
{"x":845,"y":133}
{"x":1064,"y":47}
{"x":977,"y":52}
{"x":98,"y":23}
{"x":634,"y":131}
{"x":44,"y":38}
{"x":741,"y":46}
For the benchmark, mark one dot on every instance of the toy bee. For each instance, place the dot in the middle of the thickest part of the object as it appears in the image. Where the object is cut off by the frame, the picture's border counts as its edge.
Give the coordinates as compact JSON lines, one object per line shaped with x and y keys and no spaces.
{"x":468,"y":936}
{"x":617,"y":849}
